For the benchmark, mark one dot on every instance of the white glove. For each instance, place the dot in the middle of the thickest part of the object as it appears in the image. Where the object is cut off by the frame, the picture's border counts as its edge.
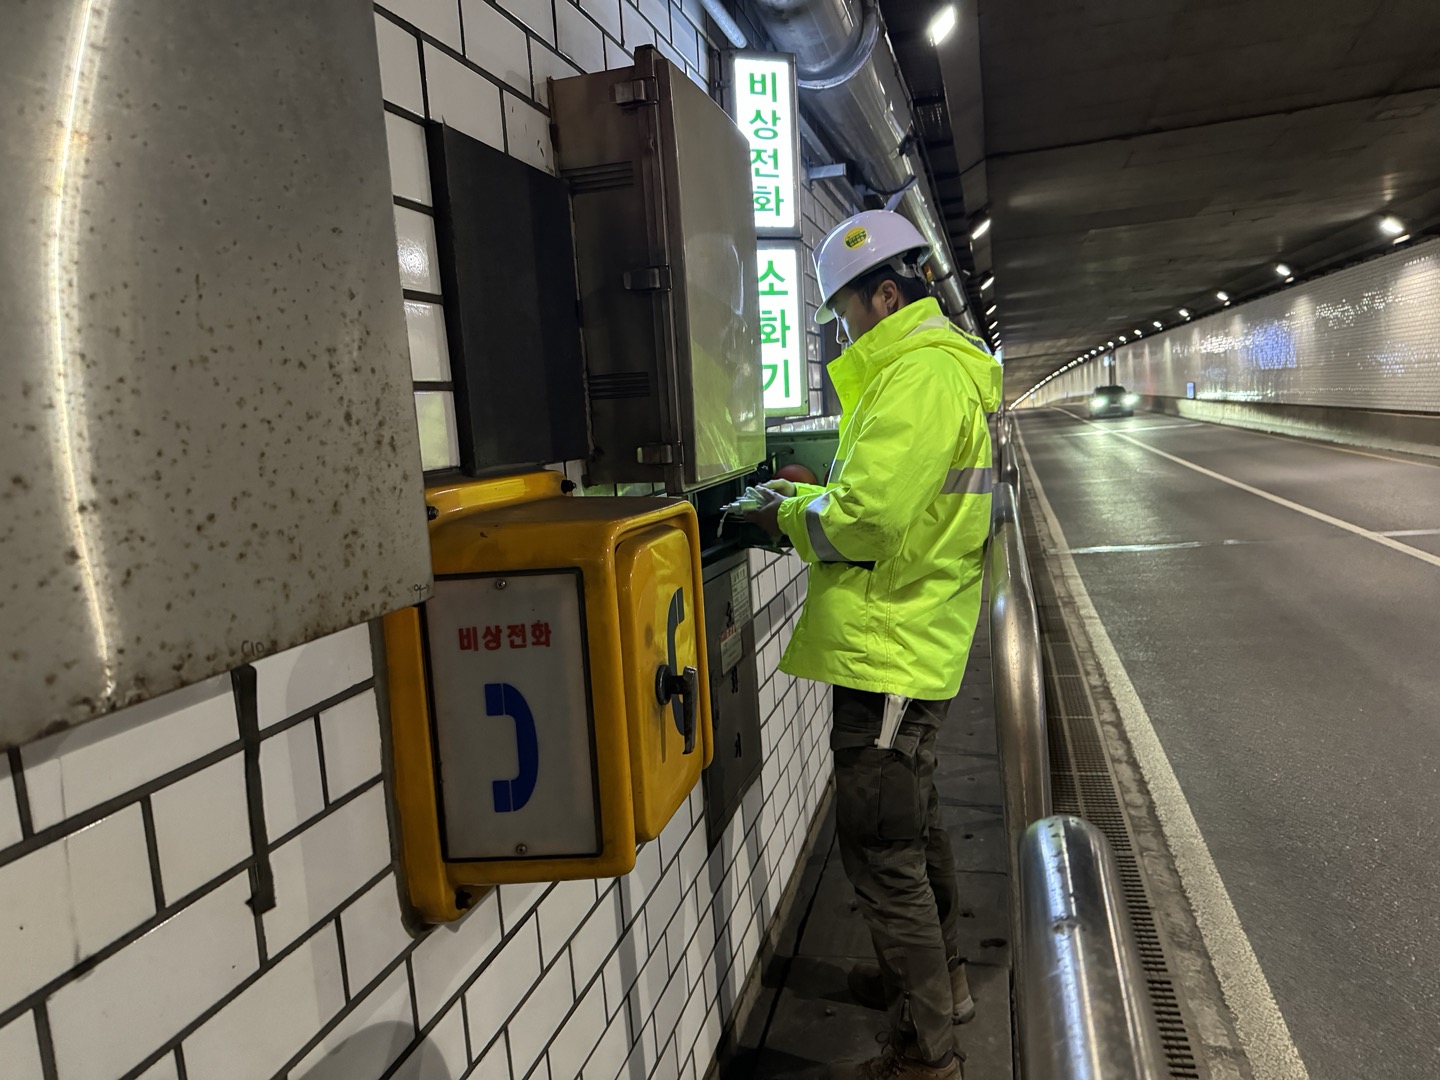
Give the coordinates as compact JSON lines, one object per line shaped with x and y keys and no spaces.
{"x":781,"y":487}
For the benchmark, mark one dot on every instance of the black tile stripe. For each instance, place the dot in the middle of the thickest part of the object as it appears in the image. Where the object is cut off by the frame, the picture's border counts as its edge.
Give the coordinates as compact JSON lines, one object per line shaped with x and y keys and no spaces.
{"x":22,"y":795}
{"x":152,"y":849}
{"x":244,"y":682}
{"x":320,"y":753}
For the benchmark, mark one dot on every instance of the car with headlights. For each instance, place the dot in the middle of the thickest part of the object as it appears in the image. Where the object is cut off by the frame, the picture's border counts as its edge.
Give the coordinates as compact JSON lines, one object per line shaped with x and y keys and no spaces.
{"x":1112,"y":401}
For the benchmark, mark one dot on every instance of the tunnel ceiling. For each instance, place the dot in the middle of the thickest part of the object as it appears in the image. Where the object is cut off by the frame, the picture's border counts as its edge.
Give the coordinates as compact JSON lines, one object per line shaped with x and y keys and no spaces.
{"x":1137,"y":156}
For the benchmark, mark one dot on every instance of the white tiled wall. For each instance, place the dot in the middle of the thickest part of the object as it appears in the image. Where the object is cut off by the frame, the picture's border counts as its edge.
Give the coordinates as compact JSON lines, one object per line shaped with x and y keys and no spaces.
{"x":129,"y":944}
{"x":130,"y":950}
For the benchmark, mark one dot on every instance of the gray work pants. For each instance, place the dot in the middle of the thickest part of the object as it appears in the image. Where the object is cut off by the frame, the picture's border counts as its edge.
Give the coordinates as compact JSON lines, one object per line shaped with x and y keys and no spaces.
{"x":897,"y":856}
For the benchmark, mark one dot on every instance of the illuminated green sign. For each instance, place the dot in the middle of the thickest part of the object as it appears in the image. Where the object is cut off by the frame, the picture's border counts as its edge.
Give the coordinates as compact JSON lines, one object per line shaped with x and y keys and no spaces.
{"x":764,"y":108}
{"x":782,"y":330}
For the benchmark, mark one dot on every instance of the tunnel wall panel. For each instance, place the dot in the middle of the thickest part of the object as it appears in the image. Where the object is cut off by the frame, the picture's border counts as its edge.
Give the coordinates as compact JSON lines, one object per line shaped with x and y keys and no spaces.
{"x":129,"y":855}
{"x":1367,"y":337}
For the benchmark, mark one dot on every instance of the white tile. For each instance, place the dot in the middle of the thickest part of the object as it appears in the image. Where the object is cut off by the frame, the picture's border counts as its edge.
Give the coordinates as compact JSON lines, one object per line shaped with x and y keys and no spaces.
{"x":685,"y":38}
{"x":596,"y":939}
{"x":409,"y":162}
{"x":638,"y":31}
{"x":68,"y":900}
{"x":322,"y":867}
{"x":363,"y":1045}
{"x":496,"y":44}
{"x":616,"y":57}
{"x":375,"y":933}
{"x":517,"y":901}
{"x":612,"y":1050}
{"x":419,"y":260}
{"x":574,"y":1042}
{"x":606,"y":13}
{"x":624,"y":966}
{"x":438,"y":18}
{"x":20,"y":1050}
{"x":202,"y":826}
{"x":442,"y":1055}
{"x":463,"y":99}
{"x":258,"y":1032}
{"x":502,"y":986}
{"x":439,"y":437}
{"x":546,"y":65}
{"x":81,"y":768}
{"x":399,"y":66}
{"x":561,"y":914}
{"x":494,"y":1064}
{"x":300,"y":678}
{"x":527,"y":131}
{"x":10,"y":832}
{"x":450,"y":954}
{"x":673,"y":835}
{"x":290,"y":779}
{"x":538,"y":15}
{"x":657,"y":14}
{"x":350,"y":734}
{"x":164,"y":1069}
{"x":663,"y":904}
{"x":578,"y":37}
{"x":101,"y":1027}
{"x":429,"y":347}
{"x":540,"y":1017}
{"x":635,"y":887}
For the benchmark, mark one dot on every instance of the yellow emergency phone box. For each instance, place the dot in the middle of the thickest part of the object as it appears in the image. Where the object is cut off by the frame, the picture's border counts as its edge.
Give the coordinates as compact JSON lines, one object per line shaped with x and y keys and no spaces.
{"x":549,"y":701}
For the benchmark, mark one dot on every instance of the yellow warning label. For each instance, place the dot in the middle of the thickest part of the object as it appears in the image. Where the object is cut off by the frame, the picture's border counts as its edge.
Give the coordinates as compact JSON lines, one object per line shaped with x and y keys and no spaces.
{"x":855,"y":237}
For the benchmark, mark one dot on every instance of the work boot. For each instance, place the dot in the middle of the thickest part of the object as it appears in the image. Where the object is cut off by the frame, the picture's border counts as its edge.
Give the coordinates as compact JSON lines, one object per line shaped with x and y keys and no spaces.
{"x":896,"y":1061}
{"x":867,"y":986}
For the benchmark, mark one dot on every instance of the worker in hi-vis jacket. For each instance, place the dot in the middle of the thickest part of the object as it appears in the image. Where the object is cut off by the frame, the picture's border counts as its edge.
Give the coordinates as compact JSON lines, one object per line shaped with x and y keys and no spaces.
{"x":894,"y":544}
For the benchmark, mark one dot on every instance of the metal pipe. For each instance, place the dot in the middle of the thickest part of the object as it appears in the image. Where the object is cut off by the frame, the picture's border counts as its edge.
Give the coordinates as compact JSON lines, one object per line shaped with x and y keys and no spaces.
{"x":726,"y":23}
{"x":1017,"y":668}
{"x":1083,"y":988}
{"x":850,"y":81}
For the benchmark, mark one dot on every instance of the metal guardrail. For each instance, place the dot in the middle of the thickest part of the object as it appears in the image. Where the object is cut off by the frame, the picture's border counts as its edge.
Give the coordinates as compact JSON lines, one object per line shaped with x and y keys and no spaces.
{"x":1086,"y":1014}
{"x":1079,"y":987}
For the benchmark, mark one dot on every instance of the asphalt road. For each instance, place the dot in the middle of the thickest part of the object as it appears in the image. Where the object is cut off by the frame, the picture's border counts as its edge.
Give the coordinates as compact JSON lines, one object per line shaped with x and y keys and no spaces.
{"x":1291,"y":669}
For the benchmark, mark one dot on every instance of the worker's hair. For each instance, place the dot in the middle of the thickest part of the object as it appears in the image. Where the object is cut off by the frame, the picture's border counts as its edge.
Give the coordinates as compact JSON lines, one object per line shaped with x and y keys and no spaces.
{"x":911,"y":285}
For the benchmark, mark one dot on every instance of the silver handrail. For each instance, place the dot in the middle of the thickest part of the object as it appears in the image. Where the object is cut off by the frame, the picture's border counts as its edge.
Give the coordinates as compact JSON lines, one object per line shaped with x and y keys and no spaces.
{"x":1085,"y":1015}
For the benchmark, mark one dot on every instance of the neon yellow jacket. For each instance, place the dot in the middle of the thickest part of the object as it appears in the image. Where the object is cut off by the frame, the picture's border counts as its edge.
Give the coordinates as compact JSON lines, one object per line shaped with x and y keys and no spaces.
{"x":895,"y":539}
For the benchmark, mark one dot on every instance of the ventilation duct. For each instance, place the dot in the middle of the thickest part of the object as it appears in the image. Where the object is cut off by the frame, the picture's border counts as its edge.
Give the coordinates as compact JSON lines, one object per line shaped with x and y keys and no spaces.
{"x":851,"y":84}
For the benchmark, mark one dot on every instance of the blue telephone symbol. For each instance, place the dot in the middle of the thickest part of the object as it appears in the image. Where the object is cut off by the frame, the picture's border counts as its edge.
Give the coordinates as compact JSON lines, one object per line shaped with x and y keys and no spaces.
{"x":684,"y":685}
{"x":502,"y":699}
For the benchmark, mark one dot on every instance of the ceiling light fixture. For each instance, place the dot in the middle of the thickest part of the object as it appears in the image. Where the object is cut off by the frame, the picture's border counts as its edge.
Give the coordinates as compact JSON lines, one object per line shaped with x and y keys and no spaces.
{"x":991,"y":309}
{"x":1401,"y":238}
{"x":1391,"y":226}
{"x":980,"y":230}
{"x":1283,"y":270}
{"x":987,"y":283}
{"x":1159,"y":325}
{"x":1139,"y":334}
{"x":943,"y":24}
{"x":1223,"y":295}
{"x":1111,"y":344}
{"x":1184,"y":313}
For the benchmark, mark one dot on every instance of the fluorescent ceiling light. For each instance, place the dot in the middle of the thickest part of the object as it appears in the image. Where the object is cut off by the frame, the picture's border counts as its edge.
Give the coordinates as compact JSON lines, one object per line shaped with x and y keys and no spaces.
{"x":1139,"y":334}
{"x":943,"y":24}
{"x":1159,"y":325}
{"x":1392,"y":226}
{"x":1111,"y":344}
{"x":991,"y":309}
{"x":1401,"y":238}
{"x":1184,"y":313}
{"x":987,"y":283}
{"x":980,"y":230}
{"x":1282,"y":270}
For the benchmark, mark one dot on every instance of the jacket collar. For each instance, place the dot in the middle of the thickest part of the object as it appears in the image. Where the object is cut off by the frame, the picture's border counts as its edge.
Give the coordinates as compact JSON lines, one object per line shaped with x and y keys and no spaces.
{"x":854,"y":369}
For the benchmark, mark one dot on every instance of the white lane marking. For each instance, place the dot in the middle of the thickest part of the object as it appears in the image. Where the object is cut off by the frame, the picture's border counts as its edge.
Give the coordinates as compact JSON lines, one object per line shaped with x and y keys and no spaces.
{"x":1262,"y":1029}
{"x":1319,"y":515}
{"x":1176,"y":545}
{"x":1147,"y":427}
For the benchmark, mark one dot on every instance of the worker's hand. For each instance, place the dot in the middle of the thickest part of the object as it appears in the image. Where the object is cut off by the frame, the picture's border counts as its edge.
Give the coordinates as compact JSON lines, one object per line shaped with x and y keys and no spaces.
{"x":784,"y":487}
{"x":768,"y":514}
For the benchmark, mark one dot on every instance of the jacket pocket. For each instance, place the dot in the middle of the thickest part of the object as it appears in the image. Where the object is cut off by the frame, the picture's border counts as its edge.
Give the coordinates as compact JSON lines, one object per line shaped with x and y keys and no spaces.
{"x":878,"y":794}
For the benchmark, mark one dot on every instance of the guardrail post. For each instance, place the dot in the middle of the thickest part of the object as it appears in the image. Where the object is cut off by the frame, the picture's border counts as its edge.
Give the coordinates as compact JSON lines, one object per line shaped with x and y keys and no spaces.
{"x":1085,"y":1014}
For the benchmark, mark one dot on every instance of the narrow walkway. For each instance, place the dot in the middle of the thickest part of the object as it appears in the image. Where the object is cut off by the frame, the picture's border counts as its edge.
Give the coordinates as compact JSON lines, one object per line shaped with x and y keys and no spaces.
{"x":804,"y":1018}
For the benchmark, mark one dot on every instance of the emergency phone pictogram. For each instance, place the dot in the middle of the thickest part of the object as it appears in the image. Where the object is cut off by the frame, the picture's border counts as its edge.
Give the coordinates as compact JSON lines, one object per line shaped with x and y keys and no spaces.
{"x":502,"y":699}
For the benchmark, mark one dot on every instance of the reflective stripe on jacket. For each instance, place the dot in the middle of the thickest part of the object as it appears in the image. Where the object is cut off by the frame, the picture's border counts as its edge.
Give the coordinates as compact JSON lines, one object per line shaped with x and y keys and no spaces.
{"x":895,"y":538}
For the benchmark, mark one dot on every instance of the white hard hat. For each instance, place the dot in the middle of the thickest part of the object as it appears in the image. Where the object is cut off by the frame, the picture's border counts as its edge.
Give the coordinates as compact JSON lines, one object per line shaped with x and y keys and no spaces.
{"x":860,"y":244}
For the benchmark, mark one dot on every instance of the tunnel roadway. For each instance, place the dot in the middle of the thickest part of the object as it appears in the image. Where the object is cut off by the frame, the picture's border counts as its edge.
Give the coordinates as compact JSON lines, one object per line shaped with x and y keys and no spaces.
{"x":1276,"y":606}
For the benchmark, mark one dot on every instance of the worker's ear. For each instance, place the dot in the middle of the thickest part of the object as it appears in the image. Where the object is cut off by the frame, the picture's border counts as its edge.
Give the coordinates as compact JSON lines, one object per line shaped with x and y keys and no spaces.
{"x":889,"y":297}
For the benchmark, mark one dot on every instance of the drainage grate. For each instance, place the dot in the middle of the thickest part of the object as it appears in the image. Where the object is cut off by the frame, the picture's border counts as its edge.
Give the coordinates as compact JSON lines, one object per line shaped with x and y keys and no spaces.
{"x":1081,"y":783}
